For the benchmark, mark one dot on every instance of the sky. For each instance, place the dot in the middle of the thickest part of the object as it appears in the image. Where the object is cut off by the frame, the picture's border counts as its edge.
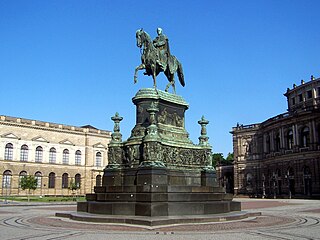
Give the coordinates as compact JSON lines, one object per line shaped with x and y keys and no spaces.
{"x":72,"y":62}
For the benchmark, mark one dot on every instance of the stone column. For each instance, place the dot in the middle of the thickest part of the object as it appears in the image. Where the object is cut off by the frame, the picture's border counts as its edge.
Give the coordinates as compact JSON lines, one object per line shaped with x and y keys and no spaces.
{"x":151,"y":142}
{"x":294,"y":136}
{"x":112,"y":173}
{"x":313,"y":139}
{"x":203,"y":139}
{"x":282,"y":141}
{"x":296,"y":133}
{"x":272,"y":141}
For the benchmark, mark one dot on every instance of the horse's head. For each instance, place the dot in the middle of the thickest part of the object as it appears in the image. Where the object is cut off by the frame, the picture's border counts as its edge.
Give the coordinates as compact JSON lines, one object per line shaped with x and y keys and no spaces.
{"x":143,"y":39}
{"x":139,"y":34}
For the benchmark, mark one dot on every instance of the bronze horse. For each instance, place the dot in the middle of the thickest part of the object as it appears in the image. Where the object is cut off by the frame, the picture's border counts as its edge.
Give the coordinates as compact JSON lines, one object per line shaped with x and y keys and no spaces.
{"x":149,"y":58}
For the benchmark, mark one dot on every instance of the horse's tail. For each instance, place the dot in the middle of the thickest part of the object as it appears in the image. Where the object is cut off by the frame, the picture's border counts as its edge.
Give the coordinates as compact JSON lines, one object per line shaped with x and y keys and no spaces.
{"x":180,"y":74}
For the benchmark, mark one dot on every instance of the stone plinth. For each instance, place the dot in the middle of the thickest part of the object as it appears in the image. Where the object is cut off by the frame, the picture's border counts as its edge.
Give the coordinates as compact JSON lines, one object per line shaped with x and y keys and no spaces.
{"x":158,"y":171}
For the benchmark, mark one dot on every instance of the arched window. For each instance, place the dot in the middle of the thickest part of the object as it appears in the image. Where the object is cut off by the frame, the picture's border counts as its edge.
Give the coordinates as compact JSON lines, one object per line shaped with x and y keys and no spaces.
{"x":290,"y":139}
{"x":39,"y":154}
{"x":65,"y":156}
{"x":98,"y":180}
{"x":305,"y":137}
{"x":38,"y":176}
{"x":65,"y":180}
{"x":249,"y":179}
{"x":98,"y":159}
{"x":21,"y":175}
{"x":52,"y":180}
{"x":24,"y":153}
{"x":78,"y":157}
{"x":6,"y":179}
{"x":77,"y":178}
{"x":52,"y":155}
{"x":8,"y":152}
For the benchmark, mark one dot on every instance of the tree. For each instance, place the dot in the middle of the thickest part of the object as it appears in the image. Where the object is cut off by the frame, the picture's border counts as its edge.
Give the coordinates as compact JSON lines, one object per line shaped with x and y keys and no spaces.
{"x":73,"y":187}
{"x":29,"y":183}
{"x":217,"y":158}
{"x":228,"y":160}
{"x":230,"y":157}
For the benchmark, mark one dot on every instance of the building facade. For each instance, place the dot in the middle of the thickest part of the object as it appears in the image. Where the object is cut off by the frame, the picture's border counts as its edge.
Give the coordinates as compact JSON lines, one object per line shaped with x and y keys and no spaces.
{"x":56,"y":154}
{"x":281,"y":156}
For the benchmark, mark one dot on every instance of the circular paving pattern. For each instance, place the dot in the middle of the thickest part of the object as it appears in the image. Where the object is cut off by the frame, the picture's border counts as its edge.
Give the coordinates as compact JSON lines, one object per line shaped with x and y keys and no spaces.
{"x":279,"y":220}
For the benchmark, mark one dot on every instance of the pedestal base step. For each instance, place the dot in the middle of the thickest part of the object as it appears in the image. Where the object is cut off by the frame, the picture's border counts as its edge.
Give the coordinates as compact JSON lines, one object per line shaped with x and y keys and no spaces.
{"x":156,"y":221}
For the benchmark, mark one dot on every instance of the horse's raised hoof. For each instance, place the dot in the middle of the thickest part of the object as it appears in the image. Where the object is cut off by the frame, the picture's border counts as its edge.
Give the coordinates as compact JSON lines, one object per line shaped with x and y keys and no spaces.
{"x":155,"y":88}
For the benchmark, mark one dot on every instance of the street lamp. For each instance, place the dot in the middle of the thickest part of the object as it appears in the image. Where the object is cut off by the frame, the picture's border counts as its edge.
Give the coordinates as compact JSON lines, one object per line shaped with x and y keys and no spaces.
{"x":274,"y":185}
{"x":263,"y":186}
{"x":289,"y":184}
{"x":256,"y":178}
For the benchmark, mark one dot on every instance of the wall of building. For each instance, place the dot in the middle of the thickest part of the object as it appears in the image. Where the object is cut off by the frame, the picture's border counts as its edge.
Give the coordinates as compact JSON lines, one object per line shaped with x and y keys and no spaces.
{"x":39,"y":148}
{"x":281,"y":156}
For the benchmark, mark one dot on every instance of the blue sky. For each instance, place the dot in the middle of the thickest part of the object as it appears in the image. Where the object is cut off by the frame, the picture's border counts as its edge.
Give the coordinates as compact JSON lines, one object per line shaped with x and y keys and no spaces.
{"x":72,"y":62}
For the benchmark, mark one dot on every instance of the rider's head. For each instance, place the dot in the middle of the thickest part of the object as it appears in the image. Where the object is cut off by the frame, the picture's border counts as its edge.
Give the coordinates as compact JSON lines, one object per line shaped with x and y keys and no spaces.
{"x":159,"y":31}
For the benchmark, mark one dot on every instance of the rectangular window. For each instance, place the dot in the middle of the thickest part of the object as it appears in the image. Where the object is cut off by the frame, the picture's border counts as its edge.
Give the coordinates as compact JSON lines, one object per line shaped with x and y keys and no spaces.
{"x":293,"y":101}
{"x":38,"y":157}
{"x":38,"y":181}
{"x":6,"y":181}
{"x":98,"y":159}
{"x":24,"y":155}
{"x":300,"y":98}
{"x":309,"y":94}
{"x":52,"y":157}
{"x":78,"y":158}
{"x":8,"y":154}
{"x":52,"y":180}
{"x":65,"y":158}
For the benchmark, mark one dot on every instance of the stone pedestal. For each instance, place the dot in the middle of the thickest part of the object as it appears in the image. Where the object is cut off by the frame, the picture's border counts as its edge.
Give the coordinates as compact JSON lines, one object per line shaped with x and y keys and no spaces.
{"x":158,"y":171}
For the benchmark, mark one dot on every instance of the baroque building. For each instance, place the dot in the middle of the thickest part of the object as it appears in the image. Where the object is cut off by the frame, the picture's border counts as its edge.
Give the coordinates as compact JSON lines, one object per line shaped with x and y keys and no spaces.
{"x":56,"y":154}
{"x":280,"y":157}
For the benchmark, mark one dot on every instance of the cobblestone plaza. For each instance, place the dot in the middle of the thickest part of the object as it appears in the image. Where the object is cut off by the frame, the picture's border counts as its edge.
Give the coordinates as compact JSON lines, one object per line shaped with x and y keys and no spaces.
{"x":280,"y":219}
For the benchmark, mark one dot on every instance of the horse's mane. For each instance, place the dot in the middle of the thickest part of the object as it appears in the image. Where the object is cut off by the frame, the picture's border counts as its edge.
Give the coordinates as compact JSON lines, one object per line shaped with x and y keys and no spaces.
{"x":148,"y":38}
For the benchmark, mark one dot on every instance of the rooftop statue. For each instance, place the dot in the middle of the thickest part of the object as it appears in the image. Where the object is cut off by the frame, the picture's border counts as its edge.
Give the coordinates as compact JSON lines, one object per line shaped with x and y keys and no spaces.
{"x":156,"y":58}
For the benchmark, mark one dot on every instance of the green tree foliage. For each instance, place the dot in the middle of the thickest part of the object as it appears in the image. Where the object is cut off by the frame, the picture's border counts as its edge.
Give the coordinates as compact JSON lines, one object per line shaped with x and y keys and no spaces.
{"x":73,"y":187}
{"x":228,"y":160}
{"x":28,"y":183}
{"x":218,"y":159}
{"x":230,"y":157}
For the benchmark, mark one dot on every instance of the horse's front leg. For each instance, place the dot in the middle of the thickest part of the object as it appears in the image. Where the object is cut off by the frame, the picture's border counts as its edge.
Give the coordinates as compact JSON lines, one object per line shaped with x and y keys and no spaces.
{"x":167,"y":87}
{"x":140,"y":67}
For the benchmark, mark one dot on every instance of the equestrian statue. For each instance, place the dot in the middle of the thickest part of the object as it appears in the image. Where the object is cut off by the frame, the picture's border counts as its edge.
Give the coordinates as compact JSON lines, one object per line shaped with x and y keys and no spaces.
{"x":156,"y":58}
